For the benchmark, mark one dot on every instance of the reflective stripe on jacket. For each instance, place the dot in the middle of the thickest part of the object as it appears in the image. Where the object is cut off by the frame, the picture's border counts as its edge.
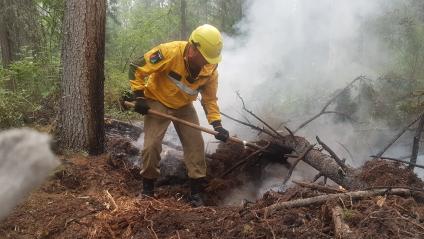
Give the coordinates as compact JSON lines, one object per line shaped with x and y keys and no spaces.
{"x":163,"y":76}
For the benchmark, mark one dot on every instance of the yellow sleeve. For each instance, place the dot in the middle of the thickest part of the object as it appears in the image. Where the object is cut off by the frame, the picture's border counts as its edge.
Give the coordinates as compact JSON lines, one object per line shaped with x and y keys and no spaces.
{"x":154,"y":60}
{"x":209,"y":99}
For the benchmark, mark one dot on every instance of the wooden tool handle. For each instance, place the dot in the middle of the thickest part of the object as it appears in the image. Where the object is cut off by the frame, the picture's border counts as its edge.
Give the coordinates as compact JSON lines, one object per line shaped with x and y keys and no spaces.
{"x":195,"y":126}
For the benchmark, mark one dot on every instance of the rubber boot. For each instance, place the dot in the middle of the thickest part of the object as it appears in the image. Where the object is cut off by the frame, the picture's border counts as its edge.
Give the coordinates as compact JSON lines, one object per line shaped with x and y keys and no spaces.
{"x":148,"y":187}
{"x":196,"y":187}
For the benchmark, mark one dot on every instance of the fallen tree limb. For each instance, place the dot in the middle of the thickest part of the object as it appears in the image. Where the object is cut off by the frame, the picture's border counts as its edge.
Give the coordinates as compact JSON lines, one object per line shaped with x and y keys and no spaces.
{"x":324,"y":109}
{"x":396,"y":138}
{"x":323,"y":198}
{"x":318,"y":176}
{"x":263,"y":130}
{"x":260,"y":120}
{"x":331,"y":152}
{"x":325,"y":164}
{"x":416,"y":142}
{"x":318,"y":187}
{"x":341,"y":229}
{"x":301,"y":157}
{"x":399,"y":160}
{"x":347,"y":150}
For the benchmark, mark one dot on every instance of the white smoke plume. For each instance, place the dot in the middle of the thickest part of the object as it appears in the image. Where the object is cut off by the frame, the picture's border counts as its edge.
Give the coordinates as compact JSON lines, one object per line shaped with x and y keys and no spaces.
{"x":290,"y":57}
{"x":25,"y":161}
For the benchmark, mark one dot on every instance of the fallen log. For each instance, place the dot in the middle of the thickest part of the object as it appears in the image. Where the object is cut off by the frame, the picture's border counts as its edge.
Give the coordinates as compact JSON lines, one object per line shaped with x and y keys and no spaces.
{"x":324,"y":163}
{"x":323,"y":198}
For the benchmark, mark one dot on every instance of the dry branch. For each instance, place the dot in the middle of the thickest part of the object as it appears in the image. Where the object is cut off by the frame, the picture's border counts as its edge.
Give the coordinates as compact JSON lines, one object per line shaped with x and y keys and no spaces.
{"x":331,"y":152}
{"x":347,"y":150}
{"x":396,"y":138}
{"x":261,"y":120}
{"x":323,"y":198}
{"x":416,"y":142}
{"x":324,"y":109}
{"x":301,"y":157}
{"x":399,"y":160}
{"x":318,"y":187}
{"x":341,"y":229}
{"x":250,"y":125}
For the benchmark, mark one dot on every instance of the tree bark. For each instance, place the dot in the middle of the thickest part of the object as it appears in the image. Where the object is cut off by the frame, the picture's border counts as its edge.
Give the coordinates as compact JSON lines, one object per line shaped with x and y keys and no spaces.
{"x":324,"y":163}
{"x":81,"y":122}
{"x":324,"y":198}
{"x":6,"y":44}
{"x":183,"y":15}
{"x":341,"y":229}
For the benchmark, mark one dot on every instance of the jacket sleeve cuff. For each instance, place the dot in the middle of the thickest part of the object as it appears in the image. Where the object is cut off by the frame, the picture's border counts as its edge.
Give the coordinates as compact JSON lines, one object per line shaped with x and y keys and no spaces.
{"x":216,"y":123}
{"x":138,"y":94}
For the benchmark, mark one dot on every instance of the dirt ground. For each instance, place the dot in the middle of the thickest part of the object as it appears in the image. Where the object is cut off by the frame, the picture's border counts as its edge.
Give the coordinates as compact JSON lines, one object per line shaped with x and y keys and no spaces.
{"x":98,"y":197}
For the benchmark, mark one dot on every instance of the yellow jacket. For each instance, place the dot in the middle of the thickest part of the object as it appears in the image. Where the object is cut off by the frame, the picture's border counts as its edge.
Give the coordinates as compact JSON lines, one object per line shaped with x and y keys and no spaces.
{"x":163,"y":76}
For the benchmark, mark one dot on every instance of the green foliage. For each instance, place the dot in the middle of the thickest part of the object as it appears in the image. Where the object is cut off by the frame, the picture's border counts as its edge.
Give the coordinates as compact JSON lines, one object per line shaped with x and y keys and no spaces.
{"x":26,"y":86}
{"x":14,"y":108}
{"x":51,"y":16}
{"x":400,"y":29}
{"x":31,"y":84}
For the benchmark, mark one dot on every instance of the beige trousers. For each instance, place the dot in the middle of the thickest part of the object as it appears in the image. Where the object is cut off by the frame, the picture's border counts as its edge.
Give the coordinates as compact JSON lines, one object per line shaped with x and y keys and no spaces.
{"x":191,"y":140}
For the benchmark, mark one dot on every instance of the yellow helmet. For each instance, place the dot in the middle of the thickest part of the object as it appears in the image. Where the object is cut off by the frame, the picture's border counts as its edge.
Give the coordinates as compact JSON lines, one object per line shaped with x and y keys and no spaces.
{"x":209,"y":42}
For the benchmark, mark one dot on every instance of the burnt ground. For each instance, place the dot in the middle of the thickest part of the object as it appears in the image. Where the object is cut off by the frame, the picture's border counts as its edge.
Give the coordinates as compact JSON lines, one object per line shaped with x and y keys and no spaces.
{"x":97,"y":197}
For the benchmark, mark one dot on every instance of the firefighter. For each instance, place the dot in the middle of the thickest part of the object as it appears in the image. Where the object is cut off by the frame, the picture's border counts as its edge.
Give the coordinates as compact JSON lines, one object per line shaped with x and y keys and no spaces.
{"x":168,"y":78}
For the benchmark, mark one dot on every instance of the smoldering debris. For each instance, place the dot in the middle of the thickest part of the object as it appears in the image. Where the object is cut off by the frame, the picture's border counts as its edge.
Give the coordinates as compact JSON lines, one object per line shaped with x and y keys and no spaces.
{"x":25,"y":161}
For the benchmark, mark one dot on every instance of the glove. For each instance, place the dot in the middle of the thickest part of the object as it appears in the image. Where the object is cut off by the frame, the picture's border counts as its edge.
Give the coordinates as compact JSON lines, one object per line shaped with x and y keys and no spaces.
{"x":223,"y":134}
{"x":140,"y":103}
{"x":126,"y":96}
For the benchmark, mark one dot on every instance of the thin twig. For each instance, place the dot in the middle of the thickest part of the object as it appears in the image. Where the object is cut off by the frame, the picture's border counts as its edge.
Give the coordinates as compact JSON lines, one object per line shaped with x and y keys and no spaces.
{"x":301,"y":157}
{"x":396,"y":137}
{"x":317,"y":177}
{"x":391,"y":187}
{"x":324,"y":109}
{"x":250,"y":125}
{"x":270,"y":228}
{"x":347,"y":150}
{"x":258,"y":118}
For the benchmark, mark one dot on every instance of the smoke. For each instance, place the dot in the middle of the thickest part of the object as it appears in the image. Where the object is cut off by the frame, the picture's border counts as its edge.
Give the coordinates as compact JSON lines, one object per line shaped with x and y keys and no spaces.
{"x":25,"y":161}
{"x":288,"y":60}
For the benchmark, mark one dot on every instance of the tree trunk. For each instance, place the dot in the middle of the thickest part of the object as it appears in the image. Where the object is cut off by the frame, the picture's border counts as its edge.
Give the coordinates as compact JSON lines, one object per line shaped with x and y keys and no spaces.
{"x":6,"y":44}
{"x":6,"y":51}
{"x":81,"y":122}
{"x":183,"y":12}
